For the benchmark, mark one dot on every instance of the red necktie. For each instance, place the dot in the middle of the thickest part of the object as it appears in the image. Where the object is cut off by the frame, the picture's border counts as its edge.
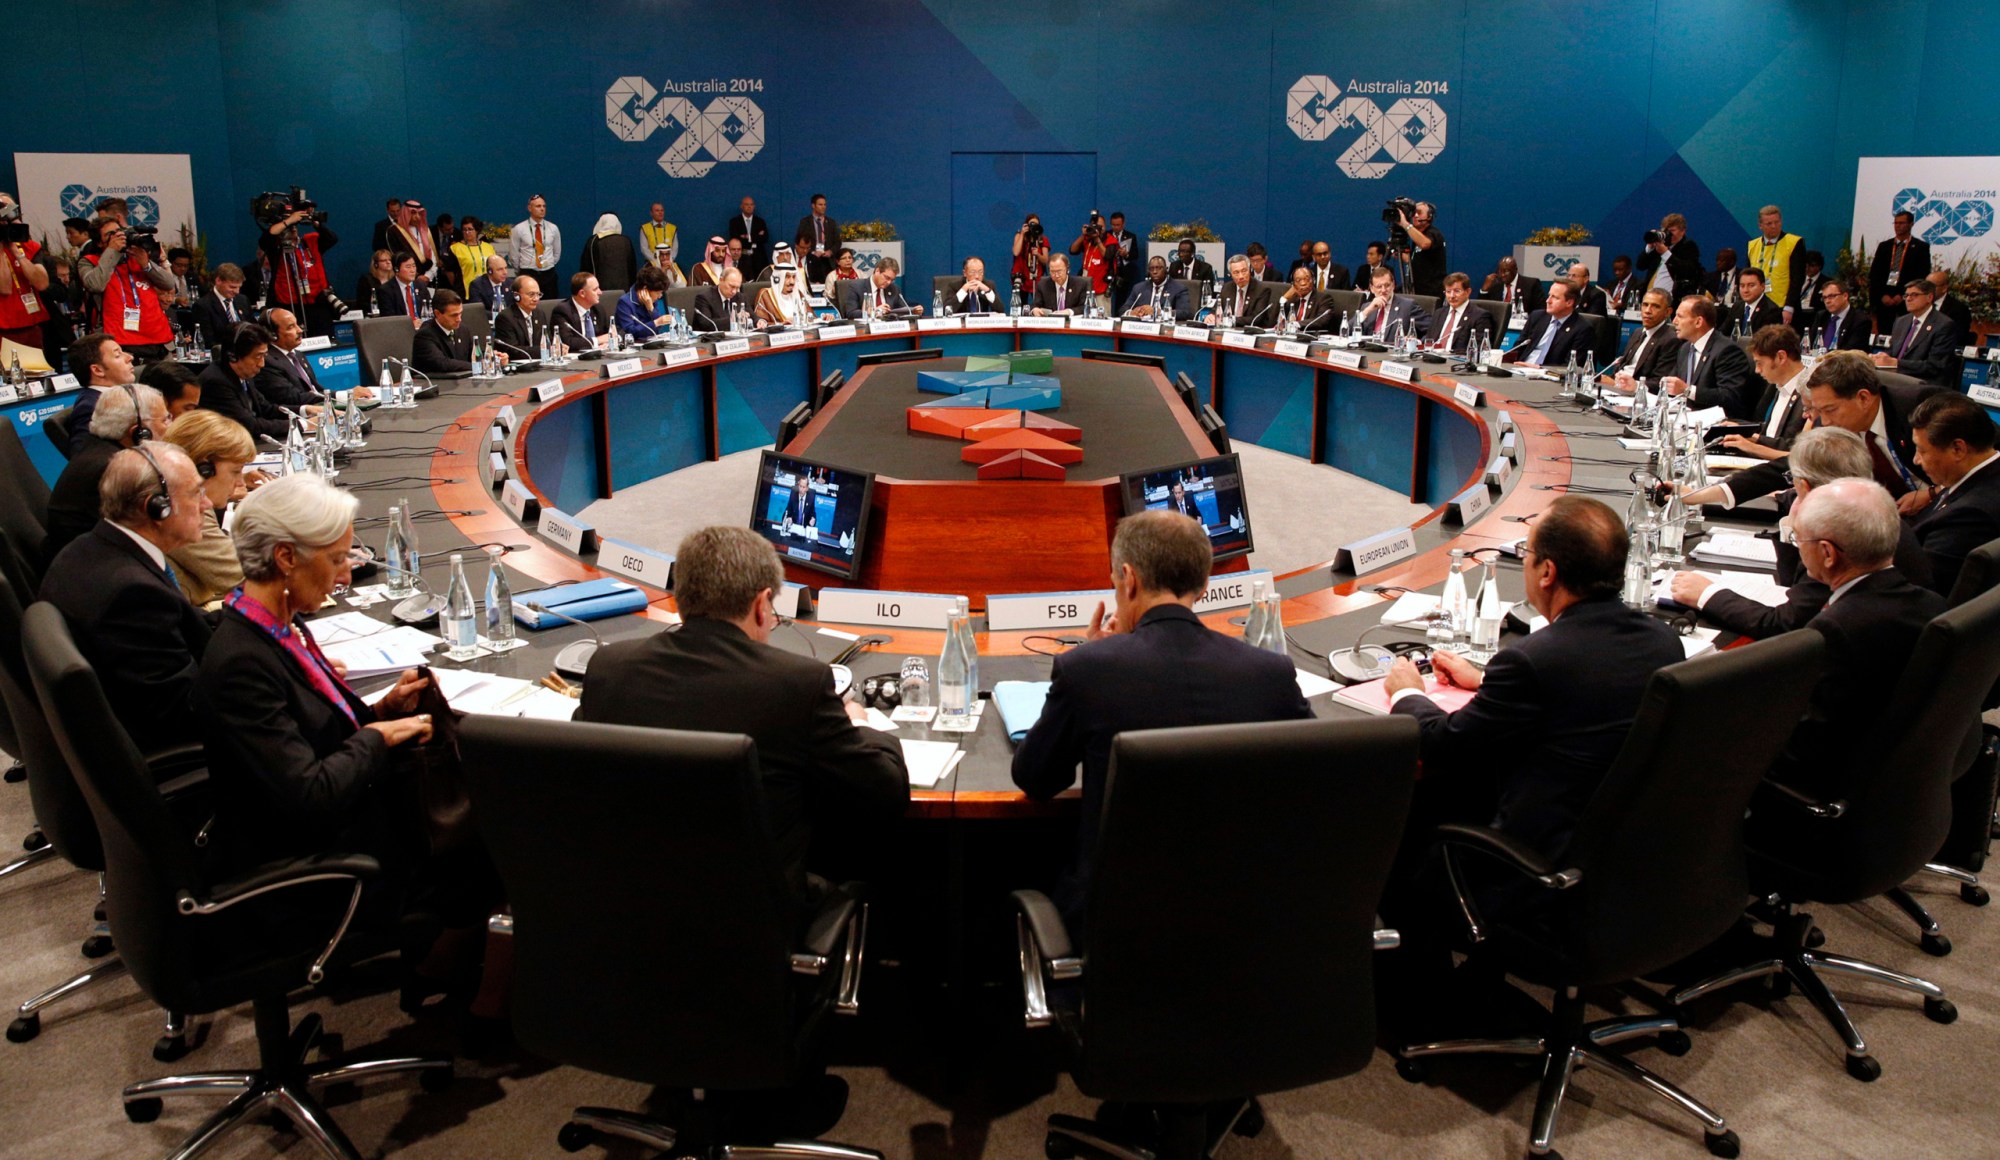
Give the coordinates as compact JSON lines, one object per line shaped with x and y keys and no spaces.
{"x":410,"y":299}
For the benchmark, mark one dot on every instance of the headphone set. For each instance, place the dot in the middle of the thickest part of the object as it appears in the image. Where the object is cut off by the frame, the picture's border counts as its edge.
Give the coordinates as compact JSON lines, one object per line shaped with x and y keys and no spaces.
{"x":140,"y":432}
{"x":884,"y":692}
{"x":160,"y":504}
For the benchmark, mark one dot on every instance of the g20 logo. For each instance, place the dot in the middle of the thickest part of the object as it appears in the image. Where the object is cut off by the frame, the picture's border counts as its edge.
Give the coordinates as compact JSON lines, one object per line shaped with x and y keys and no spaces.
{"x":729,"y":129}
{"x":80,"y":201}
{"x":1970,"y":218}
{"x":1558,"y":262}
{"x":1411,"y":131}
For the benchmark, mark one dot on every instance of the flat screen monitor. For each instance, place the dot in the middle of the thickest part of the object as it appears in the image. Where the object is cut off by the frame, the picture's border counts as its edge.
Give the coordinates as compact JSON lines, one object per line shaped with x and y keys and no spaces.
{"x":1210,"y":490}
{"x":815,"y":514}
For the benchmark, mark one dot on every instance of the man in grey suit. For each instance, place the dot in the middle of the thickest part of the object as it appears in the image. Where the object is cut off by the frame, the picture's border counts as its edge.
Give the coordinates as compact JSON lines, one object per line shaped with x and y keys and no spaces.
{"x":1924,"y":342}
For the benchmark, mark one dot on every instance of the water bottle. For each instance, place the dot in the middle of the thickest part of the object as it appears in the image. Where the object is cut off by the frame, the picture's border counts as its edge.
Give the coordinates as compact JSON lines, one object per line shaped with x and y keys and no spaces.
{"x":1486,"y":620}
{"x":937,"y":304}
{"x":1270,"y":621}
{"x":1586,"y":377}
{"x":461,"y":616}
{"x":499,"y":600}
{"x":396,"y":556}
{"x":352,"y":434}
{"x":1346,"y":326}
{"x":1638,"y":588}
{"x":958,"y":668}
{"x":14,"y":375}
{"x":410,"y":536}
{"x":1673,"y":531}
{"x":1253,"y":620}
{"x":1454,"y":602}
{"x":406,"y":391}
{"x":478,"y":356}
{"x":1014,"y":303}
{"x":1569,"y":373}
{"x":387,"y":384}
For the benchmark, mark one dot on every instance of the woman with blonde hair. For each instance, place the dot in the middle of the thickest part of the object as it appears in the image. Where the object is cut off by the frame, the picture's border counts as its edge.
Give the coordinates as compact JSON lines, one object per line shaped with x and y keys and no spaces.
{"x":208,"y":568}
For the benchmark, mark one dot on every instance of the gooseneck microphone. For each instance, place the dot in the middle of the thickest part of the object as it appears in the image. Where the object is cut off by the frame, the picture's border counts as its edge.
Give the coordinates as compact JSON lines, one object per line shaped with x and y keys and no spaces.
{"x":575,"y":656}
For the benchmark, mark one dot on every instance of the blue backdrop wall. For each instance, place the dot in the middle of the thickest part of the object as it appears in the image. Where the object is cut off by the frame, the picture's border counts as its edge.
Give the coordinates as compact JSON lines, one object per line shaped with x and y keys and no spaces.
{"x":1274,"y":122}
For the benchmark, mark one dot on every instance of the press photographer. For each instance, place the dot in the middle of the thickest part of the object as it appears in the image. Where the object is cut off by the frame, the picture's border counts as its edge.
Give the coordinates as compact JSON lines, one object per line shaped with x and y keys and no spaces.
{"x":1031,"y":255}
{"x":294,"y":238}
{"x":1416,"y":239}
{"x":128,"y":274}
{"x":23,"y":281}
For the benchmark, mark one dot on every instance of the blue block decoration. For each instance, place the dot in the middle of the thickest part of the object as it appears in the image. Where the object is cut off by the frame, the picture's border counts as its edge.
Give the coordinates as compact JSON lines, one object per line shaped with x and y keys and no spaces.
{"x":958,"y":382}
{"x":972,"y":398}
{"x":1026,"y":393}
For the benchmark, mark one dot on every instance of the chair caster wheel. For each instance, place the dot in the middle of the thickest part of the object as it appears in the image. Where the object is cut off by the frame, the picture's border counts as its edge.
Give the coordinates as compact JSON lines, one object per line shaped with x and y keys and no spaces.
{"x":1815,"y":938}
{"x":1413,"y":1070}
{"x":1551,"y":1154}
{"x":34,"y":841}
{"x":436,"y":1079}
{"x":1251,"y":1122}
{"x":575,"y":1137}
{"x":1058,"y":1147}
{"x":1864,"y":1068}
{"x":1777,"y":986}
{"x":1935,"y":945}
{"x":23,"y":1029}
{"x":1724,"y":1144}
{"x":1940,"y":1011}
{"x":97,"y":914}
{"x":168,"y":1048}
{"x":1974,"y":895}
{"x":143,"y":1111}
{"x":97,"y":946}
{"x":1676,"y":1042}
{"x":16,"y":773}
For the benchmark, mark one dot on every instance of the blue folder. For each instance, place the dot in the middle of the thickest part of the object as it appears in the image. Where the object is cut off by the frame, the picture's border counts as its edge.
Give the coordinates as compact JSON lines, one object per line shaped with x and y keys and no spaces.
{"x":1020,"y":705}
{"x":590,"y":600}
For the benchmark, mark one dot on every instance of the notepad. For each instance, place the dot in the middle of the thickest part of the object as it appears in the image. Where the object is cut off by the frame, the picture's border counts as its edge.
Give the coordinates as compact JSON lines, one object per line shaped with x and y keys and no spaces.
{"x":1411,"y":608}
{"x":346,"y":626}
{"x":929,"y":761}
{"x":390,"y":651}
{"x":1373,"y":696}
{"x":1735,"y":548}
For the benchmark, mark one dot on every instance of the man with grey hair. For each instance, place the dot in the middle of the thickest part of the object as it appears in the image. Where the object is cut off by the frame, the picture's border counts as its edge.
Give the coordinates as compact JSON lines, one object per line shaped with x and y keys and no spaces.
{"x":1246,"y":298}
{"x":818,"y":759}
{"x":1846,"y":532}
{"x":1590,"y":299}
{"x":1150,"y":663}
{"x":122,"y":600}
{"x":125,"y":415}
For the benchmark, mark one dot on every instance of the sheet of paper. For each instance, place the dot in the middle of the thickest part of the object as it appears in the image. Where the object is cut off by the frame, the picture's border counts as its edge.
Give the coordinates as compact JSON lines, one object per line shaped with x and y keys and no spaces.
{"x":1734,"y":547}
{"x":1373,"y":696}
{"x":1731,"y":462}
{"x":1641,"y":444}
{"x":929,"y":761}
{"x":547,"y":705}
{"x":1706,"y":418}
{"x":1411,"y":607}
{"x":390,"y":651}
{"x":345,"y":626}
{"x":1755,"y":585}
{"x":880,"y":721}
{"x":1313,"y":685}
{"x":1701,"y":640}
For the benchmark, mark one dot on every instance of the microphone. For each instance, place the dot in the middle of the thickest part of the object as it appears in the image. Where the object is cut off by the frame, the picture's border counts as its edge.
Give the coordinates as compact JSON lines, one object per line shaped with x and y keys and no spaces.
{"x":590,"y":348}
{"x":423,"y":606}
{"x":1316,"y":320}
{"x":527,"y":354}
{"x":1255,"y":317}
{"x":1350,"y":667}
{"x":407,"y":365}
{"x":575,"y":656}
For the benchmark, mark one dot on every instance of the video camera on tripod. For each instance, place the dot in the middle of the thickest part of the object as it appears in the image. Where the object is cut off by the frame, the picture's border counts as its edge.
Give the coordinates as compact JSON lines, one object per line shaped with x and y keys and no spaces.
{"x":271,"y":208}
{"x":1392,"y":216}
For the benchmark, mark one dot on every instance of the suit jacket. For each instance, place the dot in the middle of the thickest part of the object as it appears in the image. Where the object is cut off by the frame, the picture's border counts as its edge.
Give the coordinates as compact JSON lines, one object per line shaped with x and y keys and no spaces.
{"x":520,"y":335}
{"x":975,"y":303}
{"x":1194,"y":270}
{"x":1930,"y":354}
{"x":1805,"y":596}
{"x":1549,"y":717}
{"x":1769,"y":478}
{"x":567,"y":323}
{"x":1170,"y":670}
{"x":1766,"y":313}
{"x":1472,"y":318}
{"x":389,"y":299}
{"x":212,"y":316}
{"x":802,"y":238}
{"x":1321,"y":314}
{"x":1870,"y":632}
{"x":1528,"y":294}
{"x":1659,"y":358}
{"x":223,"y":393}
{"x":755,"y":237}
{"x":1625,"y":294}
{"x":1173,"y":298}
{"x":1955,"y":309}
{"x":863,"y":294}
{"x":437,"y":353}
{"x":1336,"y":277}
{"x":1364,"y":277}
{"x":1949,"y":530}
{"x":1723,"y":377}
{"x":1804,"y":294}
{"x":815,"y":765}
{"x":484,"y":292}
{"x":1721,"y":286}
{"x":73,"y":501}
{"x":1916,"y":264}
{"x":1254,"y":305}
{"x":287,"y":379}
{"x":1403,"y":310}
{"x":1272,"y":274}
{"x":1854,"y":329}
{"x":1574,"y":335}
{"x":1591,"y":300}
{"x":136,"y":629}
{"x":709,"y":312}
{"x":380,"y":239}
{"x":1076,"y":295}
{"x":1683,"y":267}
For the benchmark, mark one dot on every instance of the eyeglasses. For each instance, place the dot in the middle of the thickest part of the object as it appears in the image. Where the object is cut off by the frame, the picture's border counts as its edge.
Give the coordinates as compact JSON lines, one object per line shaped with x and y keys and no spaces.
{"x":1818,"y":540}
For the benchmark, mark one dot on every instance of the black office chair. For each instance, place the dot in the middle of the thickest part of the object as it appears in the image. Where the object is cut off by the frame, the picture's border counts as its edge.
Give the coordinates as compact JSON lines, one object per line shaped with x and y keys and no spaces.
{"x":1226,"y":960}
{"x":380,"y":338}
{"x":1604,"y":339}
{"x":187,"y":944}
{"x":1655,"y":871}
{"x":25,"y":484}
{"x":36,"y":845}
{"x":56,"y":427}
{"x":474,"y":319}
{"x":1891,"y":821}
{"x":653,"y":935}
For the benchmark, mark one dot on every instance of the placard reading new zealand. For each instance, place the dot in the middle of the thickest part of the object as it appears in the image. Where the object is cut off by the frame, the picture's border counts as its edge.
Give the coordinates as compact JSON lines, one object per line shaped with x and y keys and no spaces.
{"x":1411,"y":130}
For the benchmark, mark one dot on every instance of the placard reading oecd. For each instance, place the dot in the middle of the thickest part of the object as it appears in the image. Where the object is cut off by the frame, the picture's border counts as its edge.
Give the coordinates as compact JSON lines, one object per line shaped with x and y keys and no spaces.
{"x":1045,"y":609}
{"x":900,"y":609}
{"x":654,"y":569}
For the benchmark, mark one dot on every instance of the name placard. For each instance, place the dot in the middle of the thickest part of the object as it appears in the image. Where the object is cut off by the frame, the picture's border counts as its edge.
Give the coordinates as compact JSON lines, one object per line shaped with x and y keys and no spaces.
{"x":1516,"y":320}
{"x":901,"y":609}
{"x":1299,"y":349}
{"x":505,"y":417}
{"x":1350,"y":359}
{"x":496,"y":435}
{"x":1100,"y":325}
{"x":1468,"y":394}
{"x":316,"y":342}
{"x":1231,"y":590}
{"x":567,"y":532}
{"x":1469,"y":504}
{"x":1510,"y":446}
{"x":787,"y":337}
{"x":888,"y":326}
{"x":730,"y":346}
{"x":1045,"y":609}
{"x":64,"y":382}
{"x":830,"y":333}
{"x":1507,"y":422}
{"x":547,"y":390}
{"x":680,"y":357}
{"x":620,"y":367}
{"x":950,"y":322}
{"x":1400,"y":371}
{"x":496,"y":466}
{"x":1377,"y":551}
{"x":1498,"y":471}
{"x":1191,"y":333}
{"x":1131,"y":327}
{"x":786,"y":599}
{"x":1988,"y":396}
{"x":1043,"y":322}
{"x":1236,"y":338}
{"x":7,"y":393}
{"x":1632,"y":314}
{"x":648,"y":567}
{"x":520,"y":502}
{"x":989,"y":322}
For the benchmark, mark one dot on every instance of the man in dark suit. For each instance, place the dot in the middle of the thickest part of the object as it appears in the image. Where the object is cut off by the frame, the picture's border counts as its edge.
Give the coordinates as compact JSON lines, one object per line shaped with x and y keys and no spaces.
{"x":1059,"y":293}
{"x":1923,"y":343}
{"x":1150,"y":664}
{"x":1388,"y":315}
{"x":1775,"y":353}
{"x":878,"y":295}
{"x":819,"y":763}
{"x":99,"y":363}
{"x":1158,"y":298}
{"x":385,"y":228}
{"x":1248,"y":299}
{"x":818,"y":240}
{"x":1623,"y":291}
{"x":491,"y":291}
{"x":1721,"y":282}
{"x":1952,"y":307}
{"x":402,"y":296}
{"x":288,"y":378}
{"x":1846,"y":533}
{"x":749,"y":229}
{"x":126,"y":415}
{"x":973,"y":294}
{"x":221,"y":306}
{"x":228,"y":386}
{"x":1653,"y":350}
{"x":1711,"y":369}
{"x":518,"y":330}
{"x":1507,"y":284}
{"x":574,"y":319}
{"x":1452,"y":328}
{"x":1841,"y":324}
{"x":1589,"y":298}
{"x":1899,"y":261}
{"x":1754,"y":309}
{"x":1307,"y":308}
{"x":1802,"y":299}
{"x":1326,"y":273}
{"x":442,"y":346}
{"x":1960,"y":512}
{"x":1121,"y":245}
{"x":1549,"y":713}
{"x":1188,"y":267}
{"x":1262,"y":268}
{"x":1673,"y":263}
{"x":1554,"y":333}
{"x":119,"y":595}
{"x":713,"y":305}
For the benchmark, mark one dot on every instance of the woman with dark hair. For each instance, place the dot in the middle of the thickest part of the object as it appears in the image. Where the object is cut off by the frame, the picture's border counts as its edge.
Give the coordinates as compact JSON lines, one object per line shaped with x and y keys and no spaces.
{"x":471,"y":251}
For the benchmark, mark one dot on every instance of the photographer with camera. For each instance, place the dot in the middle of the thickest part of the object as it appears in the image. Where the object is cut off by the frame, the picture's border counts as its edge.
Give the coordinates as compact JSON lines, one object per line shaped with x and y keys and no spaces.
{"x":1671,"y":261}
{"x":1414,"y":235}
{"x":23,"y":281}
{"x":1095,"y":259}
{"x":1031,"y":255}
{"x":128,"y":275}
{"x":294,"y":239}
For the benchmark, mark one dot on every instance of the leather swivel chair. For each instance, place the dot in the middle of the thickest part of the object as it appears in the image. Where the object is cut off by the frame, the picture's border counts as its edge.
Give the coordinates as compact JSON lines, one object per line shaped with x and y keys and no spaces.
{"x":56,"y":427}
{"x":1221,"y":961}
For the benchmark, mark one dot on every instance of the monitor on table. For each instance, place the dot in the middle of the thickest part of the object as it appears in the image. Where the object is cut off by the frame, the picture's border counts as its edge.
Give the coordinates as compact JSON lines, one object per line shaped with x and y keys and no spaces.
{"x":815,"y":514}
{"x":1210,"y":490}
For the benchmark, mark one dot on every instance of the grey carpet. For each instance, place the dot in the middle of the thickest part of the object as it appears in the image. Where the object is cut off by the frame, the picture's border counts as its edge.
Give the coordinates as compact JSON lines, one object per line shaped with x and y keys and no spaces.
{"x":1299,"y":511}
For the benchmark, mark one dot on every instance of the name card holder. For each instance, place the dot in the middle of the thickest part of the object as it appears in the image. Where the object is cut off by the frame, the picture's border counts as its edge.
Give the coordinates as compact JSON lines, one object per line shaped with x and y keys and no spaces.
{"x":1985,"y":396}
{"x":1469,"y":395}
{"x":496,"y":466}
{"x":1507,"y":422}
{"x":1132,"y":327}
{"x":680,"y":356}
{"x":1468,"y":505}
{"x":1230,"y":590}
{"x":620,"y":367}
{"x":949,"y":322}
{"x":62,"y":382}
{"x":1499,"y":471}
{"x":834,"y":333}
{"x":567,"y":532}
{"x":1236,"y":338}
{"x":989,"y":322}
{"x":1400,"y":371}
{"x":316,"y":342}
{"x":1348,"y":359}
{"x":889,"y":326}
{"x":1191,"y":333}
{"x":505,"y":417}
{"x":926,"y":610}
{"x":728,"y":346}
{"x":1376,"y":552}
{"x":648,"y":567}
{"x":787,"y":337}
{"x":1510,"y":446}
{"x":547,"y":391}
{"x":1045,"y":610}
{"x":1292,"y":349}
{"x":1044,"y":322}
{"x":7,"y":394}
{"x":786,"y":599}
{"x":1099,"y":325}
{"x":520,"y":502}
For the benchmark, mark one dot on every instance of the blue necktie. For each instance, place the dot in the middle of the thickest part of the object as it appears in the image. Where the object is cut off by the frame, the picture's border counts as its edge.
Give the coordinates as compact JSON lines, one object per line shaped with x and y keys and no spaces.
{"x":173,"y":579}
{"x":1833,"y":332}
{"x":1548,"y":340}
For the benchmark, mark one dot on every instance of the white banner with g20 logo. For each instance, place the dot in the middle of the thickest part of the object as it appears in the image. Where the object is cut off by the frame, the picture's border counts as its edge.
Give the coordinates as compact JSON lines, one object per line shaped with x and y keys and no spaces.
{"x":158,"y":188}
{"x":728,"y":128}
{"x":1411,"y":131}
{"x":1952,"y":198}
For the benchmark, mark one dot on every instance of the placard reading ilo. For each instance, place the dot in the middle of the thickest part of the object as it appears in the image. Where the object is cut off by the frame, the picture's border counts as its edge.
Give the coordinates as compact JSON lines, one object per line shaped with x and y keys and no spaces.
{"x":1045,"y":609}
{"x":1378,"y":551}
{"x":900,"y":609}
{"x":567,"y":532}
{"x":1228,"y":591}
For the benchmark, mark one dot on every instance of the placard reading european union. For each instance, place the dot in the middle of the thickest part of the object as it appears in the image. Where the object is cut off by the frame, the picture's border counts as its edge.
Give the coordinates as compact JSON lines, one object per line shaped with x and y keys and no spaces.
{"x":1376,"y":552}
